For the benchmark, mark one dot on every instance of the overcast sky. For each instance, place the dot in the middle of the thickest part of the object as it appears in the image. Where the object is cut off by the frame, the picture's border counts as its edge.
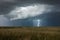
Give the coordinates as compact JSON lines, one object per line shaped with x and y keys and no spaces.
{"x":24,"y":12}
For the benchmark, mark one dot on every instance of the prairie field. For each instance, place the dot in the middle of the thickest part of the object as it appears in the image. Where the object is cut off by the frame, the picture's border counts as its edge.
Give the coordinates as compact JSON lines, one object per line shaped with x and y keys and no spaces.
{"x":25,"y":33}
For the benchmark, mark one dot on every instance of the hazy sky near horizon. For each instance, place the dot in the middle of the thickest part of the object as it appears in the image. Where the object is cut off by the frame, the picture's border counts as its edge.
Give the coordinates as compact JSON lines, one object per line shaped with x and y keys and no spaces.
{"x":22,"y":12}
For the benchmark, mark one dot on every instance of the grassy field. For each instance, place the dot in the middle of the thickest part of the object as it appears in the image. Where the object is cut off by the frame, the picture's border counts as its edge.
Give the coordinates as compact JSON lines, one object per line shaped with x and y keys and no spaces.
{"x":30,"y":33}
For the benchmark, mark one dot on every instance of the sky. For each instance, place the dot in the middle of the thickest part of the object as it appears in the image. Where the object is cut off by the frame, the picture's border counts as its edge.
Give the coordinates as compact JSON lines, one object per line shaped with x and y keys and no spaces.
{"x":28,"y":12}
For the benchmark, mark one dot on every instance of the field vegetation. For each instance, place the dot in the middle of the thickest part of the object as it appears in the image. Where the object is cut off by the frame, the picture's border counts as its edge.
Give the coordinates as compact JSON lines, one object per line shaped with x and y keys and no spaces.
{"x":30,"y":33}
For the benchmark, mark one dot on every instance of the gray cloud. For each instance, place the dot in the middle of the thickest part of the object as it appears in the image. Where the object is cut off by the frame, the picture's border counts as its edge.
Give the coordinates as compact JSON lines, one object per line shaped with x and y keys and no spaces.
{"x":7,"y":6}
{"x":29,"y":11}
{"x":4,"y":21}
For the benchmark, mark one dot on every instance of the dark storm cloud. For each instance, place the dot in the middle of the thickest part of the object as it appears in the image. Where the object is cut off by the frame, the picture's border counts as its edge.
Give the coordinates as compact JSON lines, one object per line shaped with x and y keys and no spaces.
{"x":47,"y":19}
{"x":50,"y":19}
{"x":40,"y":1}
{"x":7,"y":5}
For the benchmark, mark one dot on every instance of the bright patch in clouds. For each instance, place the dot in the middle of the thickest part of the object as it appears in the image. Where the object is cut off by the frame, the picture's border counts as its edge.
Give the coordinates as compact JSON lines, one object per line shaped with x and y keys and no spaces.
{"x":28,"y":11}
{"x":36,"y":22}
{"x":4,"y":21}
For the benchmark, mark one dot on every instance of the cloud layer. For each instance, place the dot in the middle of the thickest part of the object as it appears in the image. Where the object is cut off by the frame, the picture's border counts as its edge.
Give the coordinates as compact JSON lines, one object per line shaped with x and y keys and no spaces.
{"x":21,"y":9}
{"x":28,"y":11}
{"x":4,"y":21}
{"x":7,"y":5}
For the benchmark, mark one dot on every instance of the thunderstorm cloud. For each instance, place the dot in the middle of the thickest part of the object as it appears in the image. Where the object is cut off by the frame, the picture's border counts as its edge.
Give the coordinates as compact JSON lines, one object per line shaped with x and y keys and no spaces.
{"x":22,"y":9}
{"x":28,"y":11}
